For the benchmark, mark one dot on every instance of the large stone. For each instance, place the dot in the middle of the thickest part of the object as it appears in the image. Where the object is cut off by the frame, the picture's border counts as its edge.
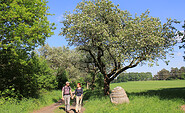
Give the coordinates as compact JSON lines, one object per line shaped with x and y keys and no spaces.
{"x":119,"y":96}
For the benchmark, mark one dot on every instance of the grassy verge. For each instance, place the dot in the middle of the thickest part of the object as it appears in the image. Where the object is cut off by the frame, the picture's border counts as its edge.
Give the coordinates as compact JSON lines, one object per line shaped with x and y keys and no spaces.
{"x":145,"y":97}
{"x":28,"y":105}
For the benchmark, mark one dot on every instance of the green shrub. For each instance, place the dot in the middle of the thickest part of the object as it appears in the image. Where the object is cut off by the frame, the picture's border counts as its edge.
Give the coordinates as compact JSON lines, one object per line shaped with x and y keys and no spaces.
{"x":26,"y":105}
{"x":25,"y":80}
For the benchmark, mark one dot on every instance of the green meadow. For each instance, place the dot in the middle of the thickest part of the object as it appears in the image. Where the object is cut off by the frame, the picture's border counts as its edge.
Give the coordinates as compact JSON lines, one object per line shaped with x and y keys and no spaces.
{"x":145,"y":97}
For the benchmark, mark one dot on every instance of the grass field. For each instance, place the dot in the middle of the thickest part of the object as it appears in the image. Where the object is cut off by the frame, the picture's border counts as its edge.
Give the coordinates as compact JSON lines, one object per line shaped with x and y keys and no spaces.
{"x":145,"y":97}
{"x":28,"y":105}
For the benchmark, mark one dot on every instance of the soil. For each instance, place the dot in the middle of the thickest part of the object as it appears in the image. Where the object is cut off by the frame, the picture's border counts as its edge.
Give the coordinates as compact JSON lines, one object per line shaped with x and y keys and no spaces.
{"x":183,"y":107}
{"x":57,"y":107}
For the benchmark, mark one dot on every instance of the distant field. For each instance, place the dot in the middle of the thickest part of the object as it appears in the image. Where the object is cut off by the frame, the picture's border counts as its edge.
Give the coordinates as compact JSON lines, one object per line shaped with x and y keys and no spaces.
{"x":145,"y":97}
{"x":138,"y":86}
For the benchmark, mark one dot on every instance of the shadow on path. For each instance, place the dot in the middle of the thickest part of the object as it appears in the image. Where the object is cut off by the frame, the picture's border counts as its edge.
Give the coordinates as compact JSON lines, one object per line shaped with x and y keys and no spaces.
{"x":62,"y":108}
{"x":72,"y":110}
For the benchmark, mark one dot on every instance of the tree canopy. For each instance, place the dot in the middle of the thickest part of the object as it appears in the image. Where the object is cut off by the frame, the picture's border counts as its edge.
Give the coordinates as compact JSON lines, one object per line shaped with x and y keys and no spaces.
{"x":24,"y":26}
{"x":183,"y":38}
{"x":67,"y":63}
{"x":115,"y":39}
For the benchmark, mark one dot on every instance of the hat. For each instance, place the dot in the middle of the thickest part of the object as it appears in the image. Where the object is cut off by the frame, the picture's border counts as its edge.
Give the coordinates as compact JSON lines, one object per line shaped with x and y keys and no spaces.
{"x":67,"y":82}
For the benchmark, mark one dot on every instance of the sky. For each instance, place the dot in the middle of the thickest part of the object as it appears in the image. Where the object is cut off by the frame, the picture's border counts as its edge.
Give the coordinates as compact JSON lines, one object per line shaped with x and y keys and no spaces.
{"x":162,"y":9}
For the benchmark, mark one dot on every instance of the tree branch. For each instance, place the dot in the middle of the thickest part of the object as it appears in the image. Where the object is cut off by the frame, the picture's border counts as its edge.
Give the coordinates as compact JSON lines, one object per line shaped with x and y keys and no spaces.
{"x":116,"y":65}
{"x":97,"y":61}
{"x":115,"y":62}
{"x":101,"y":64}
{"x":131,"y":65}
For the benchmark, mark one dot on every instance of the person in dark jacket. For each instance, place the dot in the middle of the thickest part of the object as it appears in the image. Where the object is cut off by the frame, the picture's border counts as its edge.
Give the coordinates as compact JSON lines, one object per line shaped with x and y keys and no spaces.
{"x":79,"y":95}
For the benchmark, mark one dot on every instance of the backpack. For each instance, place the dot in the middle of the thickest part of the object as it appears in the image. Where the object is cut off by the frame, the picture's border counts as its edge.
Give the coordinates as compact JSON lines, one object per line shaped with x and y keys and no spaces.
{"x":65,"y":88}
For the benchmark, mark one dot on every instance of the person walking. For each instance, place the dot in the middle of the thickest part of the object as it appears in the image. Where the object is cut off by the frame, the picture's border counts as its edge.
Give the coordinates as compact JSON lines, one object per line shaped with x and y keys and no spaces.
{"x":66,"y":94}
{"x":79,"y":95}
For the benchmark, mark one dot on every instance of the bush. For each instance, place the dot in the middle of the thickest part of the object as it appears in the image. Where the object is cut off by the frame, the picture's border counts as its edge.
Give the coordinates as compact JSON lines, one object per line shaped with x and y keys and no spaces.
{"x":27,"y":78}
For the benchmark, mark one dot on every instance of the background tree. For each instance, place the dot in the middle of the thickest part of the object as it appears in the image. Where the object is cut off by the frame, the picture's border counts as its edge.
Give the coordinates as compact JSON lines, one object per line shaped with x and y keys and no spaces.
{"x":116,"y":40}
{"x":163,"y":74}
{"x":174,"y":73}
{"x":182,"y":73}
{"x":156,"y":77}
{"x":132,"y":76}
{"x":66,"y":63}
{"x":24,"y":26}
{"x":87,"y":63}
{"x":183,"y":38}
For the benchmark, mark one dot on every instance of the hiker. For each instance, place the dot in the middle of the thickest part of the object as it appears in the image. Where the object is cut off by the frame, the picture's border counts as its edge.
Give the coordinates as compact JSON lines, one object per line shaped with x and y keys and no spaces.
{"x":79,"y":95}
{"x":66,"y":94}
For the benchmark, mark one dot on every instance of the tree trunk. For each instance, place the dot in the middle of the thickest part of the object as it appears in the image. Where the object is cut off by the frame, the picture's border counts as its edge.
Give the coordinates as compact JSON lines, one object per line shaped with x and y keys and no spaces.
{"x":87,"y":85}
{"x":93,"y":80}
{"x":106,"y":86}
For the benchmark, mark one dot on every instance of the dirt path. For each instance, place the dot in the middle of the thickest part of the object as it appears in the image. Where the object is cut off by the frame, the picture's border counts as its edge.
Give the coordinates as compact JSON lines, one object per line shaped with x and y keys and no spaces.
{"x":183,"y":107}
{"x":57,"y":107}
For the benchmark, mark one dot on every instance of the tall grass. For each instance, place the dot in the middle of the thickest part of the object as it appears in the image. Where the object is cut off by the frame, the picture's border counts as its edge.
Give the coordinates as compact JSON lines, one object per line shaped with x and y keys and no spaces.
{"x":28,"y":105}
{"x":145,"y":97}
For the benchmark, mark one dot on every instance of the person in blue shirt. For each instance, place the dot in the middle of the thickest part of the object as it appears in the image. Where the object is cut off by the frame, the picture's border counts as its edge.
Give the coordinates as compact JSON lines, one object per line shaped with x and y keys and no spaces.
{"x":79,"y":95}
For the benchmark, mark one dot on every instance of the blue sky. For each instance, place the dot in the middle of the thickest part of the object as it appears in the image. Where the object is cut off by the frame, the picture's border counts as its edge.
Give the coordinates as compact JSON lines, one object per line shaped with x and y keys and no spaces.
{"x":158,"y":8}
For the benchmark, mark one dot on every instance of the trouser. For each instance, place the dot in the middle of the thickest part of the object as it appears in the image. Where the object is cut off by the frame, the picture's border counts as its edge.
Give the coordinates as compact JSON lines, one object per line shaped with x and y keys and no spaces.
{"x":67,"y":102}
{"x":78,"y":103}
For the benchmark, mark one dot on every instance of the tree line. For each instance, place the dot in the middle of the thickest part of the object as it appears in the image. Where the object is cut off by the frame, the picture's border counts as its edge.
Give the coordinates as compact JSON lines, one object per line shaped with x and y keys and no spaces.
{"x":133,"y":76}
{"x":173,"y":74}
